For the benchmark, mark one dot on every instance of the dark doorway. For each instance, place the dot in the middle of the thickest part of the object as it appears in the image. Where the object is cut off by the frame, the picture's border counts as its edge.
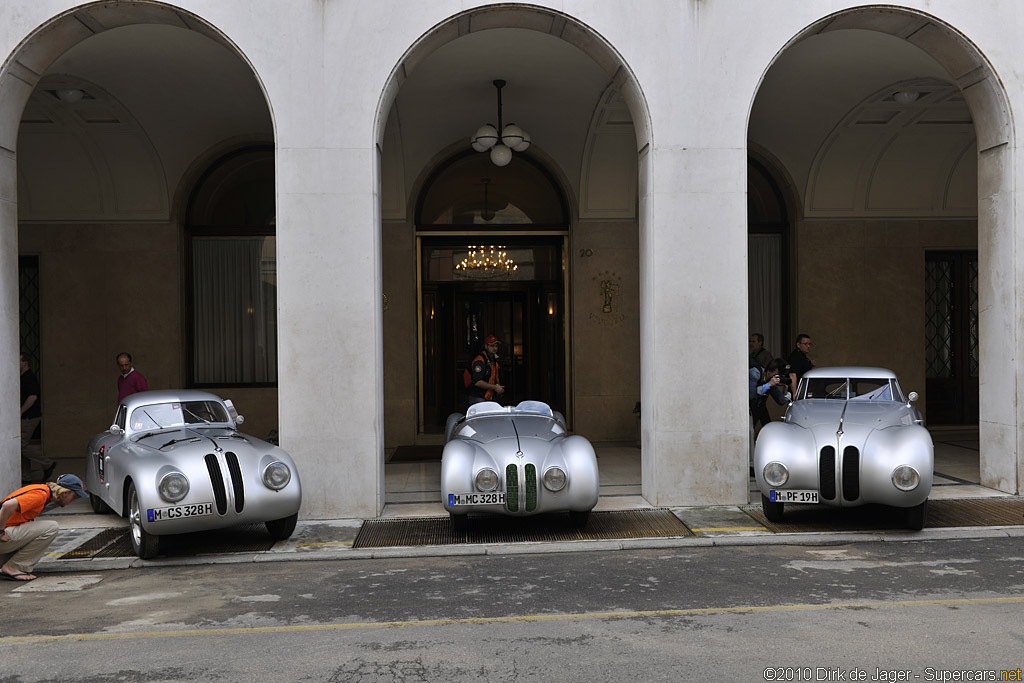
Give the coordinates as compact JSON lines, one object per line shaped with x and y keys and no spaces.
{"x":524,"y":310}
{"x":951,"y":337}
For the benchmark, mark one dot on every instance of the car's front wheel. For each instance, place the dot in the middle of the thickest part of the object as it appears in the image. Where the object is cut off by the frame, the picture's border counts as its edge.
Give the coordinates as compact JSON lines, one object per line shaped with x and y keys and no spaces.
{"x":772,"y":510}
{"x":281,"y":529}
{"x":145,"y":544}
{"x":579,"y":518}
{"x":98,"y":506}
{"x":916,"y":516}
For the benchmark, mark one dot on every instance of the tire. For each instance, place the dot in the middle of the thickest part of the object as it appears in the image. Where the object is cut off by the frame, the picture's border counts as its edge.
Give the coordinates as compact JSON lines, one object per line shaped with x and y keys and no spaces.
{"x":460,"y":523}
{"x":98,"y":506}
{"x":772,"y":511}
{"x":916,"y":516}
{"x":280,"y":529}
{"x":145,"y":544}
{"x":579,"y":518}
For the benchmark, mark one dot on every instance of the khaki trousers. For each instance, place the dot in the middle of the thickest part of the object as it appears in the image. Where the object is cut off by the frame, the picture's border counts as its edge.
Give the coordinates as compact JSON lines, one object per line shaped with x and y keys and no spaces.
{"x":29,"y":541}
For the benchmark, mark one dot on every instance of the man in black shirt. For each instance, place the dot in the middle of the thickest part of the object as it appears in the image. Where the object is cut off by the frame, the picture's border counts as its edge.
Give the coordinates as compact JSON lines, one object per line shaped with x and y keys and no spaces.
{"x":31,"y":416}
{"x":798,"y":361}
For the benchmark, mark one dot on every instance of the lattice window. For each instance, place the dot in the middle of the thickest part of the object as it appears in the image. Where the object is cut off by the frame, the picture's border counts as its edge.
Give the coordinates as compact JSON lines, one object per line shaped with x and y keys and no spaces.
{"x":939,"y":318}
{"x":28,"y":309}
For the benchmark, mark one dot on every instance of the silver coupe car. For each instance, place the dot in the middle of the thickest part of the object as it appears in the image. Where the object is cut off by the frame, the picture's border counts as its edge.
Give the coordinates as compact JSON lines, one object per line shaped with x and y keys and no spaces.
{"x":174,"y":462}
{"x":516,"y":460}
{"x":849,"y":438}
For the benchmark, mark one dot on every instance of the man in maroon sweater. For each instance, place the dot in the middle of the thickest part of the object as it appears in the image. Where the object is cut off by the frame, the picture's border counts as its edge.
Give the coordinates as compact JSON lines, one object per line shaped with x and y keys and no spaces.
{"x":131,"y":380}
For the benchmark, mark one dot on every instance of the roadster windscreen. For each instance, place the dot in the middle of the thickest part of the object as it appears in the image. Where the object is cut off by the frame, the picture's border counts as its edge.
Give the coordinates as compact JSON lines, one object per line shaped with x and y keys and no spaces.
{"x":180,"y":414}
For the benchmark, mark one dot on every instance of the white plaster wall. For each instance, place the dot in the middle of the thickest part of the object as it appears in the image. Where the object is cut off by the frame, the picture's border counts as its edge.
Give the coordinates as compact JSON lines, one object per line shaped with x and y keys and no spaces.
{"x":697,"y":64}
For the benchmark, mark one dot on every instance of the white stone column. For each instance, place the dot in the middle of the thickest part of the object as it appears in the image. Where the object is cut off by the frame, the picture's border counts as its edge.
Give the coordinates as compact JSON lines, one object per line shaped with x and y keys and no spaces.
{"x":329,"y":328}
{"x":693,"y":260}
{"x":10,"y":338}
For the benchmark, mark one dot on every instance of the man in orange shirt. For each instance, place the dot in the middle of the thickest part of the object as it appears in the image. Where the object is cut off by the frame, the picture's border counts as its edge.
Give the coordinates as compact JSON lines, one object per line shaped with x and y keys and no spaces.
{"x":24,"y":538}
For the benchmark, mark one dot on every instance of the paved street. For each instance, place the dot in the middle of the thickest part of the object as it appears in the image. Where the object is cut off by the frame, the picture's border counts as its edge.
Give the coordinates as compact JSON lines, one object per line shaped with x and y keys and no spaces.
{"x":691,"y":613}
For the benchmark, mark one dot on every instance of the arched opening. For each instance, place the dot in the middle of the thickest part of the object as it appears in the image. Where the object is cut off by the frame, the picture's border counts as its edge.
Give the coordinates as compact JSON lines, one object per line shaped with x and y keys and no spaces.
{"x":103,"y":154}
{"x":897,"y":162}
{"x":566,"y":210}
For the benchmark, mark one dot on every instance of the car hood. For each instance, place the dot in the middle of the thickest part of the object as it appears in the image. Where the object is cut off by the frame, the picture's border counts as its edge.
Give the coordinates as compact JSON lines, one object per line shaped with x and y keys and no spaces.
{"x":828,"y":415}
{"x":514,"y":427}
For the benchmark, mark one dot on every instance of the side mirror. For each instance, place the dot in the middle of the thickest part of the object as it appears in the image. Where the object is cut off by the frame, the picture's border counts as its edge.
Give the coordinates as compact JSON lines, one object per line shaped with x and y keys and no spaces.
{"x":913,"y":397}
{"x":114,"y":429}
{"x":239,"y":419}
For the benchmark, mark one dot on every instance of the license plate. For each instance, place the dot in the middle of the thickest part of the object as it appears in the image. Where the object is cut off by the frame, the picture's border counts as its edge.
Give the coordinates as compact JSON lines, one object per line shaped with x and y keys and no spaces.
{"x":496,"y":498}
{"x":793,"y":496}
{"x":179,"y":511}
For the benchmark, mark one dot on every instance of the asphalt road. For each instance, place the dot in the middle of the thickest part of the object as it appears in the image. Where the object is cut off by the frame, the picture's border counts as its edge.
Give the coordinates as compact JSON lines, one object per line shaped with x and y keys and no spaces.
{"x":948,"y":610}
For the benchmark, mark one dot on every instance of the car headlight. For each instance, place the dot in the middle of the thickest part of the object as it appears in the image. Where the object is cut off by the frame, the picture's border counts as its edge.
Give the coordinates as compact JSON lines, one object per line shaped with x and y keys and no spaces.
{"x":554,"y":479}
{"x":905,"y":478}
{"x":776,"y":474}
{"x":173,"y":487}
{"x":486,"y":480}
{"x":276,"y":475}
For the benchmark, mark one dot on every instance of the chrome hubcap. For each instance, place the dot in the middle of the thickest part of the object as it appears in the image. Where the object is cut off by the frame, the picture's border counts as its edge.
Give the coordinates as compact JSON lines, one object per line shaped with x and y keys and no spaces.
{"x":135,"y":520}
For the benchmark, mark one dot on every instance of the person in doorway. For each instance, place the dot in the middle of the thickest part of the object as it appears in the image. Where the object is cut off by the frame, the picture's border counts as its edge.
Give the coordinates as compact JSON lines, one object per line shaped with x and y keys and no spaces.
{"x":799,"y":362}
{"x":484,"y":382}
{"x":24,"y":538}
{"x":773,"y":382}
{"x":34,"y":464}
{"x":758,"y":353}
{"x":131,"y":380}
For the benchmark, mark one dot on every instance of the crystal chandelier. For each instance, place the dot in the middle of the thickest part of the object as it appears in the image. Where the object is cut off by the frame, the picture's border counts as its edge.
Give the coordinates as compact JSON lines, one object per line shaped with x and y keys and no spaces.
{"x":486,"y":263}
{"x":513,"y":138}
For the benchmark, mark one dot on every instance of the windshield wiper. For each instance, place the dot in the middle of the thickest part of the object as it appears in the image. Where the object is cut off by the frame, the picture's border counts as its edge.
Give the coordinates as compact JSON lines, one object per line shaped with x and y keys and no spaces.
{"x":835,"y":391}
{"x":158,"y":425}
{"x":194,"y":415}
{"x":174,"y":441}
{"x":157,"y":433}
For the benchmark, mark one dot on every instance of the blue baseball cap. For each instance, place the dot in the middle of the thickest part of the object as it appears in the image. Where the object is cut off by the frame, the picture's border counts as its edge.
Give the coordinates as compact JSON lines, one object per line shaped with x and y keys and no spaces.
{"x":72,"y":483}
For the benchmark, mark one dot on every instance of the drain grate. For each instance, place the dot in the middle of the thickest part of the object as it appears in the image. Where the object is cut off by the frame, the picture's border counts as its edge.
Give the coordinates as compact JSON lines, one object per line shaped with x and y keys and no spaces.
{"x":387,"y":533}
{"x":941,"y":513}
{"x":116,"y":543}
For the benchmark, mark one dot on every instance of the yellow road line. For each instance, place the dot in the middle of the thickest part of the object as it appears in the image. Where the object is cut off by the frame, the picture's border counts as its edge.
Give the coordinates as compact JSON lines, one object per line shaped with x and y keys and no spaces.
{"x":639,"y":614}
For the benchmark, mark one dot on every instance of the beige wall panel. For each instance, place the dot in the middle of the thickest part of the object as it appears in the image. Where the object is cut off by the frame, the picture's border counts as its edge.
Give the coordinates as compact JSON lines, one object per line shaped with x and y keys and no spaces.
{"x":605,"y":344}
{"x":398,"y":256}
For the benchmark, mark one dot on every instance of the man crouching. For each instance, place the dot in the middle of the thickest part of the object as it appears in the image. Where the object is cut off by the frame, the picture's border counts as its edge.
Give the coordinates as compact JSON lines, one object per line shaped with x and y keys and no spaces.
{"x":24,"y":538}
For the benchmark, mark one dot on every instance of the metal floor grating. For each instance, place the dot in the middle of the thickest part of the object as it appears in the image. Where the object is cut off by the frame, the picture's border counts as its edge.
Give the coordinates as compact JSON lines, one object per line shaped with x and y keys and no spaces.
{"x":941,"y":513}
{"x":116,"y":543}
{"x":647,"y":523}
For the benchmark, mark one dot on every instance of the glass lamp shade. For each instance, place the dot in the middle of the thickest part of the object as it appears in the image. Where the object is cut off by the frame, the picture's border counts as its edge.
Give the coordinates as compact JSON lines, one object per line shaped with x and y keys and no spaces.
{"x":477,"y":147}
{"x":501,"y":155}
{"x":512,"y":135}
{"x":524,"y":145}
{"x":70,"y":94}
{"x":486,"y":137}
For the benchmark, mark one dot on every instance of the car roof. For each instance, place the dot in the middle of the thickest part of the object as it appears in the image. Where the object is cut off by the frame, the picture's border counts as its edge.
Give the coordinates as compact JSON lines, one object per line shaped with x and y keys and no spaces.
{"x":852,"y":371}
{"x":145,"y":398}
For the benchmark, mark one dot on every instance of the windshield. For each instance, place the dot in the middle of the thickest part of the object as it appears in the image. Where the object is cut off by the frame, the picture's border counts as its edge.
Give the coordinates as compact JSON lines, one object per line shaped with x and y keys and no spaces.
{"x":185,"y":413}
{"x":851,"y":388}
{"x":524,"y":408}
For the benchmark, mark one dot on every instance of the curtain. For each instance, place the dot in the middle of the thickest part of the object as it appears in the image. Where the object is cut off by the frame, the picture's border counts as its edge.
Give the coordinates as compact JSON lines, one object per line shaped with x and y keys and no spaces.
{"x":764,"y":291}
{"x":234,"y":299}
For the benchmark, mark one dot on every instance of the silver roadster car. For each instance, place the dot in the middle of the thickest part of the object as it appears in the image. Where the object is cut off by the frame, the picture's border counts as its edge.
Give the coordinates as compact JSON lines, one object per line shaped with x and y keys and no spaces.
{"x":516,"y":460}
{"x":850,"y":438}
{"x":174,"y":462}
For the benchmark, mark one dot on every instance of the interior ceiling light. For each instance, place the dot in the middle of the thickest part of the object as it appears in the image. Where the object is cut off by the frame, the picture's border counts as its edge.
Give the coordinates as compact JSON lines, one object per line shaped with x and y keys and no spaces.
{"x":512,"y":139}
{"x":906,"y":96}
{"x":69,"y":94}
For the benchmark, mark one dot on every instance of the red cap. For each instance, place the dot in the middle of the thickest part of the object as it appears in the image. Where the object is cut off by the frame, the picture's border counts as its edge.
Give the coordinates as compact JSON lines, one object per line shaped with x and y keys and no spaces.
{"x":491,"y":339}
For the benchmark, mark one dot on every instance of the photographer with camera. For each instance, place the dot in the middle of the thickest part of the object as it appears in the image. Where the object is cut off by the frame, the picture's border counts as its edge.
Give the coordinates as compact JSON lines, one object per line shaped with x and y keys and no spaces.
{"x":774,"y":382}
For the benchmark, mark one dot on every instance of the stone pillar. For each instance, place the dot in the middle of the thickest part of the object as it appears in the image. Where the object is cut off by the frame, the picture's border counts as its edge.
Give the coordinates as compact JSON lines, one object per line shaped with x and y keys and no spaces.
{"x":694,"y":326}
{"x":329,"y":374}
{"x":10,"y":394}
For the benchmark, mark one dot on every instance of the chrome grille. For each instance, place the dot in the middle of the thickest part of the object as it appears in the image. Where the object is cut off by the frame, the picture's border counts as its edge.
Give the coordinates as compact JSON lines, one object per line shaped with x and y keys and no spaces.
{"x":827,"y":473}
{"x":851,"y":473}
{"x":217,"y":479}
{"x":512,"y":488}
{"x":531,"y":487}
{"x":236,"y":481}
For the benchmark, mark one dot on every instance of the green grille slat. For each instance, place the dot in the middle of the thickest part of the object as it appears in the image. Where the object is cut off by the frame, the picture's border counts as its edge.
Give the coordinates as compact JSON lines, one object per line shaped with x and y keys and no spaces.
{"x":531,"y":487}
{"x":512,"y":488}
